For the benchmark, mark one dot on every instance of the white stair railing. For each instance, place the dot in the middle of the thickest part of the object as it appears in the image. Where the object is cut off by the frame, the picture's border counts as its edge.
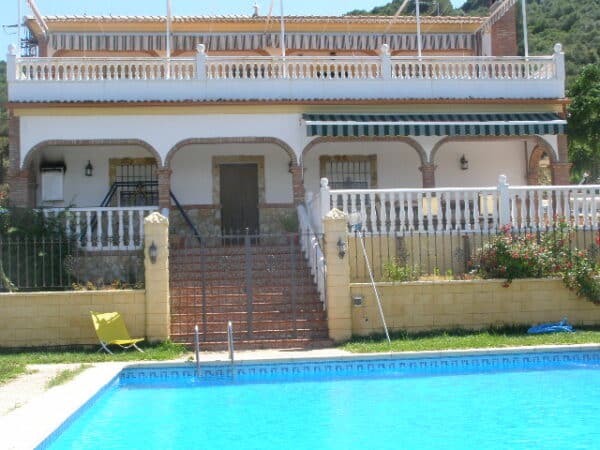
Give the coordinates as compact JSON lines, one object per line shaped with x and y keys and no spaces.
{"x":103,"y":229}
{"x":311,"y":247}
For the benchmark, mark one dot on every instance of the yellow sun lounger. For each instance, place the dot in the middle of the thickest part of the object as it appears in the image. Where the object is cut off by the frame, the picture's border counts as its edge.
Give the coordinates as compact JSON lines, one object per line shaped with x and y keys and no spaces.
{"x":110,"y":328}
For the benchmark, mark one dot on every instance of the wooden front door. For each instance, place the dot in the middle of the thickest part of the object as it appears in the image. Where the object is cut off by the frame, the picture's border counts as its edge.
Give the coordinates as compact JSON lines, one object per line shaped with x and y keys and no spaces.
{"x":239,"y":198}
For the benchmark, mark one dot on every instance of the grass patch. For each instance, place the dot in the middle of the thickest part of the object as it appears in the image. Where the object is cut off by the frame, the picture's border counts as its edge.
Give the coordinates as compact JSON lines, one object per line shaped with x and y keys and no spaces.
{"x":155,"y":352}
{"x":10,"y":370}
{"x":458,"y":339}
{"x":66,"y":375}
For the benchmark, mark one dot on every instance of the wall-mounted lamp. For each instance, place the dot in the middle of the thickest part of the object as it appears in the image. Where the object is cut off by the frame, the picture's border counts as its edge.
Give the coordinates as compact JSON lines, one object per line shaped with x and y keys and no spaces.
{"x":89,"y":169}
{"x":152,"y":252}
{"x":464,"y":163}
{"x":341,"y":245}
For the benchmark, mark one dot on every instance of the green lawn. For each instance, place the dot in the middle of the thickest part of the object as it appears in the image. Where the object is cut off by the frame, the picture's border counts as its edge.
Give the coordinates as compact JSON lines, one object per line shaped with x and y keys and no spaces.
{"x":13,"y":363}
{"x":463,"y":339}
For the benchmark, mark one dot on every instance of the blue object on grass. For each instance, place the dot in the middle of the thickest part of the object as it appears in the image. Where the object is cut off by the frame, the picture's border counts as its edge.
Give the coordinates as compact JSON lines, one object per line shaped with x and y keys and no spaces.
{"x":558,"y":327}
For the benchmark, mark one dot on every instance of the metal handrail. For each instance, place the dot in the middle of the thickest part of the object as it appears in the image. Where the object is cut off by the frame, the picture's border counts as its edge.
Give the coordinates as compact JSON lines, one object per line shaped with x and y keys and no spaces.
{"x":186,"y":217}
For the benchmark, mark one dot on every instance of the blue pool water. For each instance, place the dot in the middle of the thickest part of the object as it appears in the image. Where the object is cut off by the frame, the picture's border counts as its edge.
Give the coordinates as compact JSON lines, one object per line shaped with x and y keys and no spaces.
{"x":514,"y":401}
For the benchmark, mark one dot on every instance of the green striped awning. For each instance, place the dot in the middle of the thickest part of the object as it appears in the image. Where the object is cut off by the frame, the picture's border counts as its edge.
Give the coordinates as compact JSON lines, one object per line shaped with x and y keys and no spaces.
{"x":354,"y":125}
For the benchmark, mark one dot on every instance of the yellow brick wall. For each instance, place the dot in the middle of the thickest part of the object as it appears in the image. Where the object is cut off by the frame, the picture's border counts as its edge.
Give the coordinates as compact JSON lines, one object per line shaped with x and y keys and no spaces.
{"x":473,"y":304}
{"x":63,"y":318}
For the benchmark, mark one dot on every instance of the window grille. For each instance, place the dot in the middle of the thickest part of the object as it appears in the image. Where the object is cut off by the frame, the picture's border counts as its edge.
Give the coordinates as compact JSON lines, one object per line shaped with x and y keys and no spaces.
{"x":348,"y":172}
{"x":137,"y":181}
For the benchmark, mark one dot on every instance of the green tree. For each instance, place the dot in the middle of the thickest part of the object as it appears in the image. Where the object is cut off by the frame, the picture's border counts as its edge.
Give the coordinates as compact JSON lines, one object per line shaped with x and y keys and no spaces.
{"x":584,"y":123}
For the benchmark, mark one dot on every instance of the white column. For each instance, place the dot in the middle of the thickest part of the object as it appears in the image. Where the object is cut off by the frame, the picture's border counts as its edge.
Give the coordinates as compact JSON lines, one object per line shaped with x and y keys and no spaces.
{"x":503,"y":201}
{"x":201,"y":62}
{"x":386,"y":62}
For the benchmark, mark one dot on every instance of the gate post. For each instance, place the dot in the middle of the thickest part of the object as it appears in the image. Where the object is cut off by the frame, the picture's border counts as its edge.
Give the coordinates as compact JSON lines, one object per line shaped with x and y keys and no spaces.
{"x":156,"y":264}
{"x":339,"y":307}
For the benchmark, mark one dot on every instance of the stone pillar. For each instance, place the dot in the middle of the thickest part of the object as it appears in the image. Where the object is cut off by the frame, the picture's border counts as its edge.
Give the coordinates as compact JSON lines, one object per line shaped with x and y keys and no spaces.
{"x":339,"y":305}
{"x":297,"y":185}
{"x":561,"y":170}
{"x":428,"y":174}
{"x":164,"y":191}
{"x":158,"y":314}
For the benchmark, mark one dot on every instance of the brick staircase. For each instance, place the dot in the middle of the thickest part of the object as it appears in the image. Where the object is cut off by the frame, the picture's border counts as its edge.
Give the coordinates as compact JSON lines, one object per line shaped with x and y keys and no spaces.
{"x":209,"y":288}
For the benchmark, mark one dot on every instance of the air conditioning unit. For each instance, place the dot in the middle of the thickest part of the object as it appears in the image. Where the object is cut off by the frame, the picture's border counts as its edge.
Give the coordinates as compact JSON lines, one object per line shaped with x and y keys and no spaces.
{"x":53,"y":180}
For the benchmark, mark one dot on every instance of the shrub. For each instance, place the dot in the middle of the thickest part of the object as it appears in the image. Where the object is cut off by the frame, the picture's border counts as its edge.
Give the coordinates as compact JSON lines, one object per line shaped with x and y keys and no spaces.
{"x":394,"y":271}
{"x":544,"y":254}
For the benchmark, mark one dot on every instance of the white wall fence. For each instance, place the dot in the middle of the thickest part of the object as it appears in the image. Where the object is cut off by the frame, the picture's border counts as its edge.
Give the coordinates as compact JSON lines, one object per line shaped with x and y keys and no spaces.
{"x":104,"y":229}
{"x":466,"y":209}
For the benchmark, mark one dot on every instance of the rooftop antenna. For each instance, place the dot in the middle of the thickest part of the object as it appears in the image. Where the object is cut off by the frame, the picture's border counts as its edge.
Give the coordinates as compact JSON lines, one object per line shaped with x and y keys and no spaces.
{"x":19,"y":19}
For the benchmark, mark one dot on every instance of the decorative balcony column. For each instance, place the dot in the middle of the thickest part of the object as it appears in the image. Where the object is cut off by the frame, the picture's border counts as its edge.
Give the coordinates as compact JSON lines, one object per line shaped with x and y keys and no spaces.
{"x":428,"y":174}
{"x":561,"y":170}
{"x":297,"y":184}
{"x":164,"y":190}
{"x":201,"y":62}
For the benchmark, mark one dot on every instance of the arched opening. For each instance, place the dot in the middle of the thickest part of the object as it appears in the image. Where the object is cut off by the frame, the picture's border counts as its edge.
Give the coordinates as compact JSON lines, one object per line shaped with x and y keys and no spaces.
{"x":93,"y":173}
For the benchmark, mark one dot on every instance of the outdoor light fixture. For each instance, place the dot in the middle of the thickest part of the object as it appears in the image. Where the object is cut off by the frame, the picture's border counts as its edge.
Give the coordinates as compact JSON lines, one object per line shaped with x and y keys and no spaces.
{"x":89,"y":169}
{"x":152,"y":252}
{"x":341,"y":245}
{"x":464,"y":163}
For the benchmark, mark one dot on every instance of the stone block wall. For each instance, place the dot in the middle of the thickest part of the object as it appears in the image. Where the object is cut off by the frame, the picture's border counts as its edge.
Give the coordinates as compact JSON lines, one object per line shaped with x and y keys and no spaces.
{"x":475,"y":304}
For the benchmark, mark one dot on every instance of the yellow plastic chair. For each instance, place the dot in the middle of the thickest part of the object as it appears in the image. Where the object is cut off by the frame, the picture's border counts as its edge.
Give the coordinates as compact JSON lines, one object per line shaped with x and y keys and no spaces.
{"x":110,"y":328}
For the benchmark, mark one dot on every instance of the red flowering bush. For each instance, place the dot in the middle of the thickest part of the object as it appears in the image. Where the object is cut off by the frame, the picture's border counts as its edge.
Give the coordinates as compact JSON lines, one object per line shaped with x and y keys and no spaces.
{"x":544,"y":254}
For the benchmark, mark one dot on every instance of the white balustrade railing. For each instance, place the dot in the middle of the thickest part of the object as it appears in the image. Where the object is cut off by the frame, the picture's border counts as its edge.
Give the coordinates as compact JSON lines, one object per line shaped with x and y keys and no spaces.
{"x":480,"y":209}
{"x":101,"y":229}
{"x":295,"y":67}
{"x":292,"y":67}
{"x":474,"y":68}
{"x":105,"y":69}
{"x":538,"y":207}
{"x":311,"y":247}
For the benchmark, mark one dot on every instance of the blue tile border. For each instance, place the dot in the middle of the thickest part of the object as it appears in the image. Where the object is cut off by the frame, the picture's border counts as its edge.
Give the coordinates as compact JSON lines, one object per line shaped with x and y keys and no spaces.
{"x":323,"y":370}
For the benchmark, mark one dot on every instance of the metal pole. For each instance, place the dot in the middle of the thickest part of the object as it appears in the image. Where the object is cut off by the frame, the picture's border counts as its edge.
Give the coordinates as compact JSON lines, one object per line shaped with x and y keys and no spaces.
{"x":525,"y":35}
{"x":197,"y":348}
{"x":168,"y":28}
{"x":282,"y":30}
{"x":19,"y":18}
{"x":418,"y":29}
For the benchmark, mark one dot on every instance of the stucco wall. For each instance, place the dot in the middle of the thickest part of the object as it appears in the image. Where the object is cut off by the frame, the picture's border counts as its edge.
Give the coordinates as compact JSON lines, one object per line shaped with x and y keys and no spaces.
{"x":468,"y":304}
{"x":63,"y":318}
{"x":192,"y":177}
{"x":397,"y":163}
{"x":487,"y":160}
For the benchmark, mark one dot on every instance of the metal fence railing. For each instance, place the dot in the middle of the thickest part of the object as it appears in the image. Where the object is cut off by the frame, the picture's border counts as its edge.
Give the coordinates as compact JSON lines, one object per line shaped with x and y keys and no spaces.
{"x":455,"y":254}
{"x":61,"y":264}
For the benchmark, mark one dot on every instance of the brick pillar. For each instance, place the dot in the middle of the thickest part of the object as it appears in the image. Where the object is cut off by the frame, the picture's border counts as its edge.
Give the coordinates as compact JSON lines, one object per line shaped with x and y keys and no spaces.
{"x":561,"y":173}
{"x":428,"y":174}
{"x":561,"y":170}
{"x":297,"y":185}
{"x":158,"y":313}
{"x":339,"y":305}
{"x":504,"y":33}
{"x":164,"y":190}
{"x":17,"y":180}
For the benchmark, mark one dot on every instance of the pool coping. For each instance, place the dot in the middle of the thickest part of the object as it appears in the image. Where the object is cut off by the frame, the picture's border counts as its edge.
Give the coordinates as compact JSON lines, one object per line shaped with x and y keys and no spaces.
{"x":49,"y":411}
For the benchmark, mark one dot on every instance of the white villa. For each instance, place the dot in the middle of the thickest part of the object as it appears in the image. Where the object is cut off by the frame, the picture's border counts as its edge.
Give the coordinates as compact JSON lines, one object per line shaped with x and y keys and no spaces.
{"x":100,"y":117}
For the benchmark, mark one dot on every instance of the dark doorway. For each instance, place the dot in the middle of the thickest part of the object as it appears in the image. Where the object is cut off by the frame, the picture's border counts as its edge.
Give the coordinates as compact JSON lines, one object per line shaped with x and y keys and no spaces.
{"x":239,"y":198}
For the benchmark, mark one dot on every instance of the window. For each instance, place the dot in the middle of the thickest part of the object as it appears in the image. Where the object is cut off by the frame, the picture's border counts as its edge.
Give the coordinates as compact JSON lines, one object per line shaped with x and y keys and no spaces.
{"x":349,"y":171}
{"x":135,"y":182}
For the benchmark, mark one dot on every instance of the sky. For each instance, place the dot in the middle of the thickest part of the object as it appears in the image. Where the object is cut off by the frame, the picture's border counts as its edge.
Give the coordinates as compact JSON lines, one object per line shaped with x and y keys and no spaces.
{"x":9,"y":8}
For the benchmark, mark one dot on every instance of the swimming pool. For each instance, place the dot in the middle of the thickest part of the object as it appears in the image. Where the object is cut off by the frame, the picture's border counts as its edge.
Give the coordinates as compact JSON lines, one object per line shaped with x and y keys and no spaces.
{"x":506,"y":400}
